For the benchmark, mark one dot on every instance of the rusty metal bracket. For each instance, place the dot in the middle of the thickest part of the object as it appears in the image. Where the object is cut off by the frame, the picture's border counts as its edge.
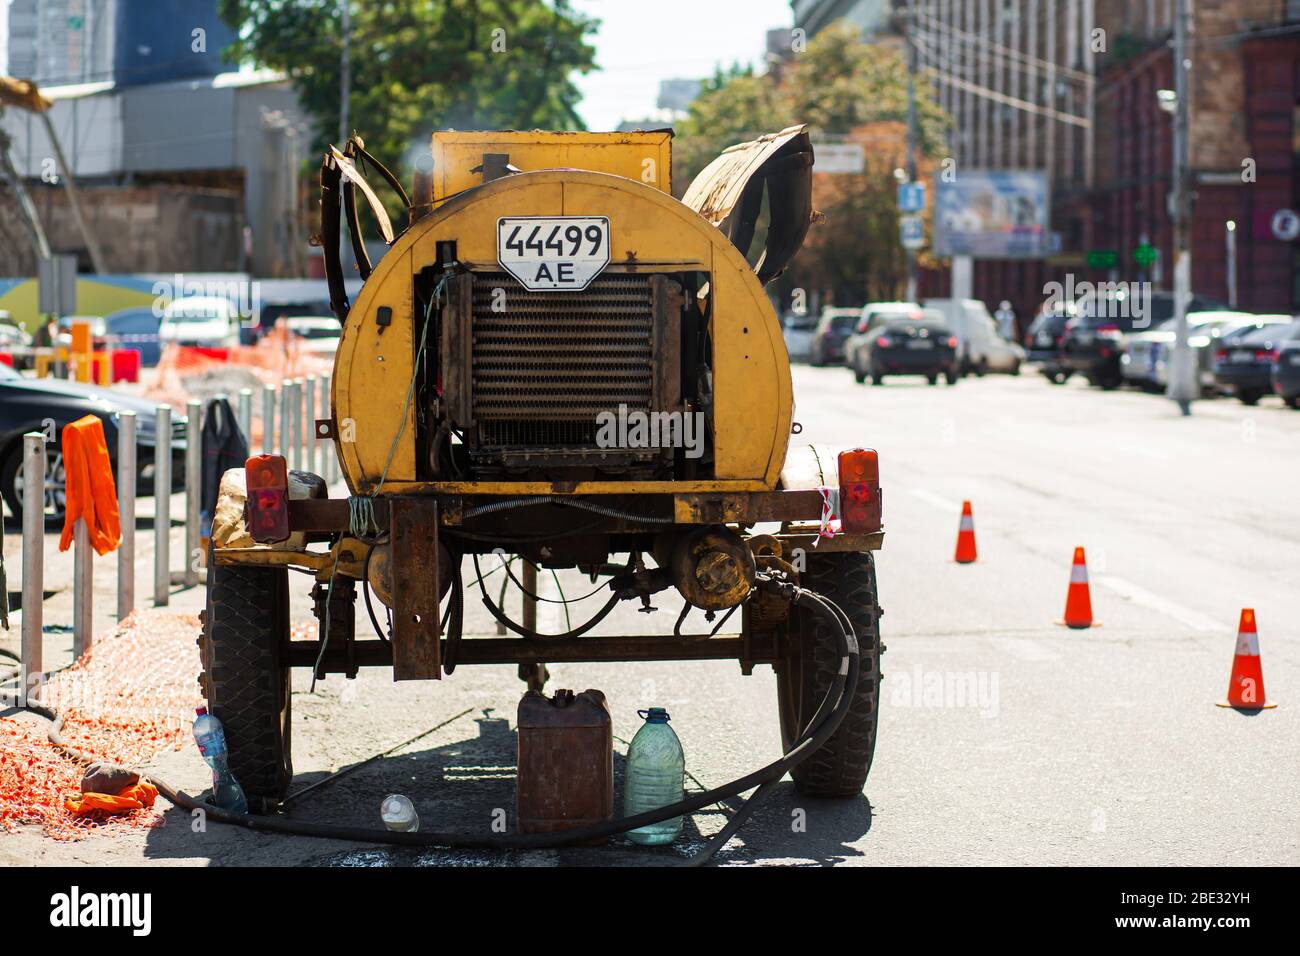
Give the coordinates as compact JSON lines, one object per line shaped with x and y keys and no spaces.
{"x":417,"y":651}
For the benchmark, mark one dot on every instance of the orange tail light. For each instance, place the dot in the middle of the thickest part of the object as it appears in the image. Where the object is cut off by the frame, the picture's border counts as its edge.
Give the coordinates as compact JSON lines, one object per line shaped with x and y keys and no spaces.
{"x":267,"y":511}
{"x":860,"y":504}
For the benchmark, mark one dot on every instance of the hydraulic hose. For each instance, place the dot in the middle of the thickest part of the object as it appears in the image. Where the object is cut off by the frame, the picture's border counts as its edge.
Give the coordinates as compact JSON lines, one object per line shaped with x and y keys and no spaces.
{"x":830,"y":714}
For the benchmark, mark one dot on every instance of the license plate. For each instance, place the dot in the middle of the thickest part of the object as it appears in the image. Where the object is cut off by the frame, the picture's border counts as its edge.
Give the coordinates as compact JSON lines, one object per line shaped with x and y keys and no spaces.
{"x":1295,"y":359}
{"x":1242,"y":355}
{"x":550,"y":253}
{"x":1083,"y":338}
{"x":920,"y":344}
{"x":1043,"y":340}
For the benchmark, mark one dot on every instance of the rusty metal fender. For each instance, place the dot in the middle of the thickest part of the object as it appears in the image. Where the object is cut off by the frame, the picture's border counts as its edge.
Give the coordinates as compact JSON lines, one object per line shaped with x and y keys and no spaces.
{"x":729,"y":194}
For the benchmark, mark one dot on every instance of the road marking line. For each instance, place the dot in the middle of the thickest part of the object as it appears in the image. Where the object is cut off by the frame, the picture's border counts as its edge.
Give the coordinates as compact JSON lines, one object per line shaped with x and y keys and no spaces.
{"x":1144,"y":598}
{"x":936,"y":500}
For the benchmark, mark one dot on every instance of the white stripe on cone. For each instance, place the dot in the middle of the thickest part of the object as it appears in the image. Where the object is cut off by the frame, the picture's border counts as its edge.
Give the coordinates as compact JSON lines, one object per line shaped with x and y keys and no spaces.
{"x":1247,"y":644}
{"x":967,"y":523}
{"x":1079,"y":574}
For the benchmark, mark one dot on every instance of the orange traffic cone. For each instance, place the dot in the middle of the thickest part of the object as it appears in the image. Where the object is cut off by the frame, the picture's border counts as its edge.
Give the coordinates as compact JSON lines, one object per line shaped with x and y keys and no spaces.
{"x":966,"y":553}
{"x":1246,"y":685}
{"x":1078,"y":599}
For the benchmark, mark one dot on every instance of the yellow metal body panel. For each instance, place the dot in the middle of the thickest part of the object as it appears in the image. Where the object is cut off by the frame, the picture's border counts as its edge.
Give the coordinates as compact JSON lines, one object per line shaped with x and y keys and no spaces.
{"x":649,"y":231}
{"x":645,"y":157}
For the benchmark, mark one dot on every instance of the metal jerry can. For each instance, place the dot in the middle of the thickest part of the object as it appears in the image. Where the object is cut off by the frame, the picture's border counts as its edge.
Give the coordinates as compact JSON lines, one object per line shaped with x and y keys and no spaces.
{"x":565,"y":762}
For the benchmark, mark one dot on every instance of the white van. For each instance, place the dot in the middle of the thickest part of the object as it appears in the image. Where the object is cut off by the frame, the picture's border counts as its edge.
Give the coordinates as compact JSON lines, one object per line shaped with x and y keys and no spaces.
{"x":207,"y":321}
{"x":979,"y":347}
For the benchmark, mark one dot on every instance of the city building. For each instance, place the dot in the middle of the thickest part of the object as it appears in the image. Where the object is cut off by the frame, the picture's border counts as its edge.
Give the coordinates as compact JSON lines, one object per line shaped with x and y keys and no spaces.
{"x":1073,"y":87}
{"x":181,"y":163}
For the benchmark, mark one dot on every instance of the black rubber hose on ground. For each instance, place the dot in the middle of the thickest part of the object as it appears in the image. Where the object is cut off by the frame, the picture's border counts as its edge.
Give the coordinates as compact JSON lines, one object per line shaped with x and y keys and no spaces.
{"x":835,"y":705}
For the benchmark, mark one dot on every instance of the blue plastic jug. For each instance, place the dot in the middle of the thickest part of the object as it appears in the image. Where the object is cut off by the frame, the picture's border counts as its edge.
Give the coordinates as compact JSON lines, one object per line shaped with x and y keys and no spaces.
{"x":656,"y":769}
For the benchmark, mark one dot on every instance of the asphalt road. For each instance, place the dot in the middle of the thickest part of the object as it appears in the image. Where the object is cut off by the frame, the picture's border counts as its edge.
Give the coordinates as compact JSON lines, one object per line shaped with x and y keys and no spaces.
{"x":1004,"y":739}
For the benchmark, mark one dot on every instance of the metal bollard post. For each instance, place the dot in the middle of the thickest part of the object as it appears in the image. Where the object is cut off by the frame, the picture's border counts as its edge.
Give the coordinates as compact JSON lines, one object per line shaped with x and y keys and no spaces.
{"x":83,"y":587}
{"x":309,"y":429}
{"x":328,"y":453}
{"x":193,"y":486}
{"x":286,"y":418}
{"x":162,"y":508}
{"x":126,"y":481}
{"x":245,"y":413}
{"x":33,"y":664}
{"x":295,"y":434}
{"x":268,"y":419}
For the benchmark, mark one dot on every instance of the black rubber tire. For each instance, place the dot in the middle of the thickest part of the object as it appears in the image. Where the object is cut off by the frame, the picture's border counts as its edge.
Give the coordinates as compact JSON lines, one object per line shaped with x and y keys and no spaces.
{"x":859,"y":376}
{"x":877,"y":378}
{"x":245,"y":681}
{"x":841,"y":766}
{"x":950,"y":378}
{"x":1249,"y":398}
{"x":932,"y":379}
{"x":1291,"y":401}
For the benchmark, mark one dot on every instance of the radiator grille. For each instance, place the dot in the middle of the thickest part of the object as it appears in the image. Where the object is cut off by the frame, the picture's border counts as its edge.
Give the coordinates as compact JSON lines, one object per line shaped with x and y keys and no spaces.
{"x":548,"y":363}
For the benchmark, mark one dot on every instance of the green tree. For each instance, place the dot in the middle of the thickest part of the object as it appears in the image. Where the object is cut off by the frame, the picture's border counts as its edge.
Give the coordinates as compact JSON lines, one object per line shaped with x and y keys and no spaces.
{"x":418,"y":65}
{"x":846,"y":90}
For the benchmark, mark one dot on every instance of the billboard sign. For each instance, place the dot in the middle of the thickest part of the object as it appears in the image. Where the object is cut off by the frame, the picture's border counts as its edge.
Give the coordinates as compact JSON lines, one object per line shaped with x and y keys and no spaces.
{"x":992,"y":215}
{"x":839,"y":158}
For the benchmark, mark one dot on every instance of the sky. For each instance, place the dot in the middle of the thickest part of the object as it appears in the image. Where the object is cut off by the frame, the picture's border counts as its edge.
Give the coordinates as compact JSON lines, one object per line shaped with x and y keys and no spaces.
{"x":641,"y":42}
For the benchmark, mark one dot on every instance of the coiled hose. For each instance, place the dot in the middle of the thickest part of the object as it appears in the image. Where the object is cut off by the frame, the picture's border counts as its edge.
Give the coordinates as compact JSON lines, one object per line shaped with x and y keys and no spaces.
{"x":830,"y":714}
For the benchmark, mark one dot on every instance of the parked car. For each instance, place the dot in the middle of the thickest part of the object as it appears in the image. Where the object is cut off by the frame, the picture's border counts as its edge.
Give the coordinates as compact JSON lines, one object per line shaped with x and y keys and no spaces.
{"x":32,"y":404}
{"x":1043,"y":340}
{"x":873,"y":316}
{"x":201,"y":320}
{"x":320,"y":334}
{"x":1005,"y":355}
{"x":276,"y":298}
{"x":833,"y":330}
{"x":1146,"y":351}
{"x":798,"y":331}
{"x":1203,"y":340}
{"x":1094,"y":341}
{"x":136,"y":329}
{"x":1286,"y":370}
{"x":923,"y":346}
{"x":975,"y":330}
{"x":16,"y":343}
{"x":1243,"y":362}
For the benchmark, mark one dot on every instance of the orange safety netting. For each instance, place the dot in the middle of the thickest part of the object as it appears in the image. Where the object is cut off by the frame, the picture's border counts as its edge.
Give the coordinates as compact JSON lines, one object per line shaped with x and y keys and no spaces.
{"x":129,"y":698}
{"x":278,"y":357}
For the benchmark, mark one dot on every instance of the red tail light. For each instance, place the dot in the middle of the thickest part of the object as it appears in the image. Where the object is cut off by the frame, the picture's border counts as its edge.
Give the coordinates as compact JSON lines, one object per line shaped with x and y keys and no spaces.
{"x":267,"y":510}
{"x":1264,"y":355}
{"x":883,"y":342}
{"x":1108,"y":331}
{"x":952,"y":341}
{"x":860,"y":505}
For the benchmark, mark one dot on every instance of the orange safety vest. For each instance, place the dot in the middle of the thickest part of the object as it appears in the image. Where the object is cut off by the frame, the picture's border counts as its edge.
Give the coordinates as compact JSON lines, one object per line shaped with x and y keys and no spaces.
{"x":91,"y":490}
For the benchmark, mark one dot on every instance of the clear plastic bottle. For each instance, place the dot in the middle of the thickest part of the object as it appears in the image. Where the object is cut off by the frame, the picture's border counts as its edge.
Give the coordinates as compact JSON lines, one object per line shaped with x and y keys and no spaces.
{"x":656,"y":770}
{"x":211,"y":738}
{"x":399,"y":813}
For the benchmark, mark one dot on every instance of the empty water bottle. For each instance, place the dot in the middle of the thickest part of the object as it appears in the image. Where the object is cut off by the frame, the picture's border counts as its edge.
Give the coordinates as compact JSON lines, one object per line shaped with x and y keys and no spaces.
{"x":399,"y":814}
{"x":656,"y":769}
{"x":211,"y":738}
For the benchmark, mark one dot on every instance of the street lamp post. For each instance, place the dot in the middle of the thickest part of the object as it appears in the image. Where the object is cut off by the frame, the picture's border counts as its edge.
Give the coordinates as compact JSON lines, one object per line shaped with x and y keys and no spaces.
{"x":1183,"y":386}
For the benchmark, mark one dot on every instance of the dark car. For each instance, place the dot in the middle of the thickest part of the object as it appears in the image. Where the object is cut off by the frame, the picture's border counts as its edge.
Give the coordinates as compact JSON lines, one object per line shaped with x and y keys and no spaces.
{"x":1094,"y":341}
{"x":833,"y":329}
{"x":1044,"y":337}
{"x":47,"y":404}
{"x":924,"y":346}
{"x":135,"y":329}
{"x":1244,"y":360}
{"x":1286,"y":370}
